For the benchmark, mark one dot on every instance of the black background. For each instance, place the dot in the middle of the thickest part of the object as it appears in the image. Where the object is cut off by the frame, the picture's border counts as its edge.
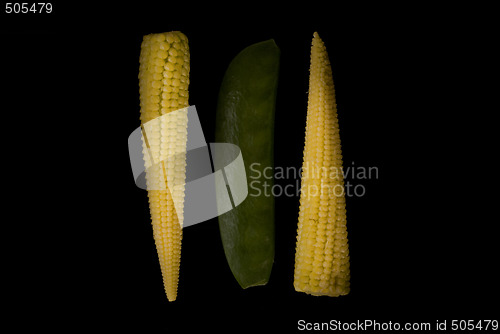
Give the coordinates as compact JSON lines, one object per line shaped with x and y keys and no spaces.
{"x":420,"y":249}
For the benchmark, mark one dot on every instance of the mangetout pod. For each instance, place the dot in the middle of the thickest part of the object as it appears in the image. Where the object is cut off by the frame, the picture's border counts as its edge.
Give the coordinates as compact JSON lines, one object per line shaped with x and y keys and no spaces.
{"x":245,"y":117}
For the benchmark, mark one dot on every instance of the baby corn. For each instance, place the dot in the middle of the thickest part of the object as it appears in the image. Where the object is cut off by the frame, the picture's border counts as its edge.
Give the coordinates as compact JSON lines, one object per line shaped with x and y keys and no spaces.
{"x":322,"y":254}
{"x":163,"y":88}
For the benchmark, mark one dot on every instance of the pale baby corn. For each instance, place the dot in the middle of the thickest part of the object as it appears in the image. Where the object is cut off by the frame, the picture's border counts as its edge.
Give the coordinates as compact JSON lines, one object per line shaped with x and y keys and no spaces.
{"x":163,"y":87}
{"x":322,"y":254}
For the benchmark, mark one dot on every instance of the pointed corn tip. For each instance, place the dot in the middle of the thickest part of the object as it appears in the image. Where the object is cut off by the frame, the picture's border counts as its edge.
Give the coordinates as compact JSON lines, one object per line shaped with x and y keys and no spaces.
{"x":316,"y":37}
{"x":316,"y":40}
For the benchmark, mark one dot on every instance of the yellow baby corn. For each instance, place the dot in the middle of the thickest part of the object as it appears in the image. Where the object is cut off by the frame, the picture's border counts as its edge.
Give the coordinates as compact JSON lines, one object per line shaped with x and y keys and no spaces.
{"x":163,"y":87}
{"x":322,"y":254}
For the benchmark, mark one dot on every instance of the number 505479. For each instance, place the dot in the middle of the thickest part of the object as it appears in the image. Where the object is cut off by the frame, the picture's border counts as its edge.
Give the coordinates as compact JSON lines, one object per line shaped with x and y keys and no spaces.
{"x":474,"y":325}
{"x":27,"y":7}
